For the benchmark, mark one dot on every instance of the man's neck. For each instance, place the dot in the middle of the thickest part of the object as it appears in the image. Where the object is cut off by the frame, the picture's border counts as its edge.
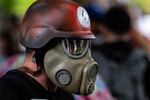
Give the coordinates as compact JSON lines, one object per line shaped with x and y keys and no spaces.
{"x":44,"y":81}
{"x":41,"y":77}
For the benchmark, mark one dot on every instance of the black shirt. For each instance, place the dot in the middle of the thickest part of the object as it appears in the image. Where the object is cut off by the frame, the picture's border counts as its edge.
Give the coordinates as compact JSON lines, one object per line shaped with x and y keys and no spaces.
{"x":17,"y":85}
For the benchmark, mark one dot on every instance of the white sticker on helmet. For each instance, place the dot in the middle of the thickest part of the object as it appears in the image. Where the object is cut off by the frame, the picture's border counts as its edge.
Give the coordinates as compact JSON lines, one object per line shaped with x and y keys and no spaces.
{"x":83,"y":17}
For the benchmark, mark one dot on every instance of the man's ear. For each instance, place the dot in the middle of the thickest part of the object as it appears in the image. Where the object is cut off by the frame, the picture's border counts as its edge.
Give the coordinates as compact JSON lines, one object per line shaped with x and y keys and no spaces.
{"x":33,"y":59}
{"x":30,"y":65}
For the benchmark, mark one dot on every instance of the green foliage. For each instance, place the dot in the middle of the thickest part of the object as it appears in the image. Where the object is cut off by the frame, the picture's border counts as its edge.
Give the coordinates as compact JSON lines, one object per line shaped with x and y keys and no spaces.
{"x":16,"y":7}
{"x":21,"y":6}
{"x":144,"y":4}
{"x":6,"y":5}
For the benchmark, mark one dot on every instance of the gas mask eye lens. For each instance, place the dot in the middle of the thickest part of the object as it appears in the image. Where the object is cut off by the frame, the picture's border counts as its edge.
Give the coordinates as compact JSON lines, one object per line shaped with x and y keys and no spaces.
{"x":93,"y":72}
{"x":75,"y":48}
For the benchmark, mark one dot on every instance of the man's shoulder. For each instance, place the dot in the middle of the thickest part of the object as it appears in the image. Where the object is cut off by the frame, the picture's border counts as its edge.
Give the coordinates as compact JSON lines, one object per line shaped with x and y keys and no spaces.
{"x":9,"y":80}
{"x":8,"y":89}
{"x":6,"y":78}
{"x":15,"y":80}
{"x":11,"y":75}
{"x":17,"y":84}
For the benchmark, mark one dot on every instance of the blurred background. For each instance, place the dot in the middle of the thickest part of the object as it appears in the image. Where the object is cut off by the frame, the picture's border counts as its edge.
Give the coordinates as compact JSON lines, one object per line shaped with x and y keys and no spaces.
{"x":12,"y":53}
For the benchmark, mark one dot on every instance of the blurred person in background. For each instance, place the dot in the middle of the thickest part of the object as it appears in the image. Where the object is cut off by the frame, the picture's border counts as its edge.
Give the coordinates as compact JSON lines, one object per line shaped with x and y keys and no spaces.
{"x":136,"y":14}
{"x":57,"y":36}
{"x":143,"y":26}
{"x":11,"y":54}
{"x":121,"y":64}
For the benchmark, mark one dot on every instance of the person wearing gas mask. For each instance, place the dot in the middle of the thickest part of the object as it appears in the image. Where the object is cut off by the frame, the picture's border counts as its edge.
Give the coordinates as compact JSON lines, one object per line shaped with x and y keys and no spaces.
{"x":56,"y":34}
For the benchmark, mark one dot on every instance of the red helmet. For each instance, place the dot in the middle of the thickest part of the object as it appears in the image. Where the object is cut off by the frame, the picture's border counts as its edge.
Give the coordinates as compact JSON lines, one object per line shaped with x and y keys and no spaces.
{"x":48,"y":19}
